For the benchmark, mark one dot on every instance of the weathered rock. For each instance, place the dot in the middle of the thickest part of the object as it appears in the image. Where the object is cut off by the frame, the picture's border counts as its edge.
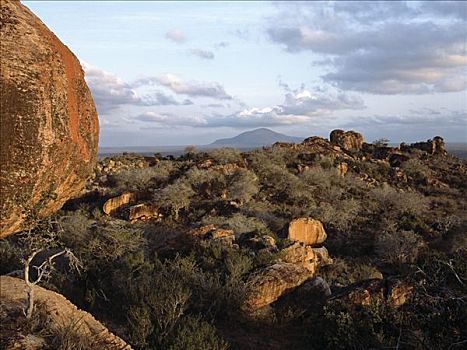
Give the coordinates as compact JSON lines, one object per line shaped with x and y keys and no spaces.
{"x":317,"y":146}
{"x":307,"y":230}
{"x":200,"y":232}
{"x":396,"y":159}
{"x":322,"y":256}
{"x":364,"y":292}
{"x":120,"y":163}
{"x":300,"y":254}
{"x":285,"y":145}
{"x":213,"y":234}
{"x":342,"y":169}
{"x":272,"y":282}
{"x":317,"y":285}
{"x":380,"y":152}
{"x":398,"y":293}
{"x":348,"y":140}
{"x":28,"y":342}
{"x":219,"y":233}
{"x":435,"y":146}
{"x":62,"y":312}
{"x":112,"y":205}
{"x":143,"y":211}
{"x":433,"y":182}
{"x":393,"y":292}
{"x":264,"y":242}
{"x":49,"y":126}
{"x":226,"y":169}
{"x":311,"y":295}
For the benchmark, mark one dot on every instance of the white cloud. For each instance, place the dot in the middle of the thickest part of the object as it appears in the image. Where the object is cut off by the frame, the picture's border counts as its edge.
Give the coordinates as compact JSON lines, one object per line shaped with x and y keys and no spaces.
{"x":380,"y":47}
{"x":300,"y":106}
{"x":423,"y":117}
{"x":110,"y":92}
{"x":175,"y":35}
{"x":168,"y":119}
{"x":190,"y":88}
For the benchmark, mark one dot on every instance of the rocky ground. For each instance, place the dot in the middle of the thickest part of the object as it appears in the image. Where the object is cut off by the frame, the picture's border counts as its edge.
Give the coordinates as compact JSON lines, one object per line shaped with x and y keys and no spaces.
{"x":325,"y":244}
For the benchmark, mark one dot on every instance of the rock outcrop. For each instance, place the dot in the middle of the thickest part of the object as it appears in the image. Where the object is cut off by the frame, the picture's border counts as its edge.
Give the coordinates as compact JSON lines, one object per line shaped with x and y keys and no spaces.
{"x":62,"y":313}
{"x":300,"y":254}
{"x":342,"y":168}
{"x":295,"y":264}
{"x":322,"y":256}
{"x":307,"y":230}
{"x":49,"y":126}
{"x":143,"y":211}
{"x":435,"y":146}
{"x":348,"y":140}
{"x":112,"y":205}
{"x":272,"y":282}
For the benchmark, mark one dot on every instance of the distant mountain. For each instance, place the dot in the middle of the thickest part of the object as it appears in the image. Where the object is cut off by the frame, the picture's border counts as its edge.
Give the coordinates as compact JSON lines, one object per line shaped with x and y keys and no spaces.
{"x":255,"y":138}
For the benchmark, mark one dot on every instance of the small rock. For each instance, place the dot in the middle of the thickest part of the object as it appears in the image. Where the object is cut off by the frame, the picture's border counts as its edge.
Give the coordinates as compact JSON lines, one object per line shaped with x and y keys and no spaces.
{"x":143,"y":211}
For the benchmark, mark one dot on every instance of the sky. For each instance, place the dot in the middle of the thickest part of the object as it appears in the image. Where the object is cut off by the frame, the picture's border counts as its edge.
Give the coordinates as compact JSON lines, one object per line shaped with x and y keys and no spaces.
{"x":189,"y":72}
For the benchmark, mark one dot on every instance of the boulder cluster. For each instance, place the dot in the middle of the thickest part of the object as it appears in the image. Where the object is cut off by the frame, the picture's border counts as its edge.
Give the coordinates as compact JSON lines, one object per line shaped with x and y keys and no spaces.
{"x":293,"y":265}
{"x":297,"y":264}
{"x":126,"y":206}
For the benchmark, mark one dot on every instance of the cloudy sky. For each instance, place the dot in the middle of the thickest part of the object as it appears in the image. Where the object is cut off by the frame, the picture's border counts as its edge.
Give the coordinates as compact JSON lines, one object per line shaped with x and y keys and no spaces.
{"x":178,"y":73}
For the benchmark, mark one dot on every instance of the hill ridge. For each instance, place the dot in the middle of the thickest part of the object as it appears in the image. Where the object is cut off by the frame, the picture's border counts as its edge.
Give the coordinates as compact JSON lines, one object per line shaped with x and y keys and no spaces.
{"x":256,"y":137}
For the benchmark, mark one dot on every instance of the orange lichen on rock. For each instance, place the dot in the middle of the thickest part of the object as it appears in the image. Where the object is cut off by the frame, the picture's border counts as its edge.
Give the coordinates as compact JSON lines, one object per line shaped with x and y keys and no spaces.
{"x":49,"y":126}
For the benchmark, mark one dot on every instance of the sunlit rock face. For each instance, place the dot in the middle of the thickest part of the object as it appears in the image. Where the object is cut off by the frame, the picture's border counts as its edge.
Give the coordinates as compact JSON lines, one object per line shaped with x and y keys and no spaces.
{"x":307,"y":230}
{"x":49,"y":125}
{"x":348,"y":140}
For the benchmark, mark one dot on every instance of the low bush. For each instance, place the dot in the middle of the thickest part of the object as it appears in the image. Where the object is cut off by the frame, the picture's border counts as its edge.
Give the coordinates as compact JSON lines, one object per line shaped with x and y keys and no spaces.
{"x":194,"y":334}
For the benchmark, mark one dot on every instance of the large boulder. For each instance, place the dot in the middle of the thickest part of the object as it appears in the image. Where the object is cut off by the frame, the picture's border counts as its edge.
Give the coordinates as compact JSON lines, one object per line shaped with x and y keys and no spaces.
{"x":348,"y":140}
{"x":62,"y":314}
{"x":49,"y":127}
{"x":307,"y":230}
{"x":114,"y":204}
{"x":271,"y":283}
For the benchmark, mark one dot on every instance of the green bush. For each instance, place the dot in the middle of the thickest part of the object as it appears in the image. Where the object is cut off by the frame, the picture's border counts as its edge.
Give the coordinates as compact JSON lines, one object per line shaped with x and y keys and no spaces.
{"x":239,"y":223}
{"x":141,"y":179}
{"x":195,"y":334}
{"x":399,"y":247}
{"x":243,"y":185}
{"x":416,"y":169}
{"x":174,"y":197}
{"x":391,"y":203}
{"x":339,"y":326}
{"x":159,"y":300}
{"x":226,"y":155}
{"x":206,"y":182}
